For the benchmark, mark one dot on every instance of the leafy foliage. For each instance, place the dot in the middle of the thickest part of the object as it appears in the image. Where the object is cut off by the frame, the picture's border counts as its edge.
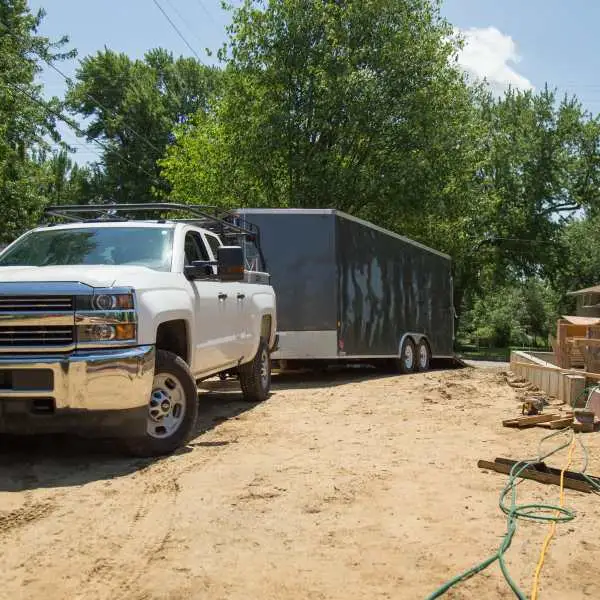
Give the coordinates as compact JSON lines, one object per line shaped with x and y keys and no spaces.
{"x":512,"y":315}
{"x":357,"y":106}
{"x":25,"y":123}
{"x":353,"y":104}
{"x":133,"y":107}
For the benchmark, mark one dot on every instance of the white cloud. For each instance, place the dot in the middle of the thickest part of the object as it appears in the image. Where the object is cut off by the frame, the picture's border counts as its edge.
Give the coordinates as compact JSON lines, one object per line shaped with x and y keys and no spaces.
{"x":491,"y":55}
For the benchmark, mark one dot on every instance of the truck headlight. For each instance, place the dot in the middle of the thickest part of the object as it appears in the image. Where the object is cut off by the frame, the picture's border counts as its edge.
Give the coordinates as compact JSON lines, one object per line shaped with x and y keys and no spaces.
{"x":106,"y":301}
{"x":104,"y":332}
{"x":113,"y":301}
{"x":106,"y":318}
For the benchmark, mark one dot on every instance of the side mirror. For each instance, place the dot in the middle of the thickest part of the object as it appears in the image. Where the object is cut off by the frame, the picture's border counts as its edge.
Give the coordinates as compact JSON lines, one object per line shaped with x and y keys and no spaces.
{"x":199,"y":269}
{"x":230,"y":263}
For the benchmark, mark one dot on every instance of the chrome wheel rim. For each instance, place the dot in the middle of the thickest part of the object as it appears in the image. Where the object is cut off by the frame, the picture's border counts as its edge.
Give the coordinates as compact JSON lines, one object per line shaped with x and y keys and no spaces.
{"x":423,"y":356}
{"x":409,"y":356}
{"x":264,"y":369}
{"x":166,"y":408}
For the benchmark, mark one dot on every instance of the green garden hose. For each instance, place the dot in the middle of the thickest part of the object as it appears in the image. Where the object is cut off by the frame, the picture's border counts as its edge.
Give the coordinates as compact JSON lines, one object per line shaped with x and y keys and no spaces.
{"x":514,"y":511}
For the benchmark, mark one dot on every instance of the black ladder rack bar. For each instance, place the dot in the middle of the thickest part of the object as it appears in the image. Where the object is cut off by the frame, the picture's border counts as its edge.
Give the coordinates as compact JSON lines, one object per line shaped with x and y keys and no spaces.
{"x":74,"y":212}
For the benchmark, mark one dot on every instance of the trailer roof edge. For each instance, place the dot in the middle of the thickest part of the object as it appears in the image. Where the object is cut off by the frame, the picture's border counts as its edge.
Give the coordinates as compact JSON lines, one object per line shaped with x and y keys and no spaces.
{"x":333,"y":211}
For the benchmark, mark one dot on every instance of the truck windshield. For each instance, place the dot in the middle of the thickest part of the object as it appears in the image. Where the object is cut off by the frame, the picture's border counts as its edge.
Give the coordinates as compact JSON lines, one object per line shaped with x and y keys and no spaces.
{"x":144,"y":246}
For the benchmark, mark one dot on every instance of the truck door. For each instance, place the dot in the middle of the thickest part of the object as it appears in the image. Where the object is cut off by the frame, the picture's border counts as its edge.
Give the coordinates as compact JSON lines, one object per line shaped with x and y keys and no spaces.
{"x":213,"y":329}
{"x":238,"y":309}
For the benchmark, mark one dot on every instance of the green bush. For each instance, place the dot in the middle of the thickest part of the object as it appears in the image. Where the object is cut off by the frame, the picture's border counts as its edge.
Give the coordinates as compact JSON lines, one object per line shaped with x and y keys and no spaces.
{"x":522,"y":314}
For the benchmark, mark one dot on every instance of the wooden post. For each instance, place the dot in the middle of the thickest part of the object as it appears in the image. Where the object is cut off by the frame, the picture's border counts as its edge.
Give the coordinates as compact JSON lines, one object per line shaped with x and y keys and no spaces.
{"x":575,"y":385}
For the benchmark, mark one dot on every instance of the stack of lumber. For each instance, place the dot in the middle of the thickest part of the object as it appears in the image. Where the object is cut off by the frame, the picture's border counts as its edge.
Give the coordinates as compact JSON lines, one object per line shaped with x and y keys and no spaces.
{"x":571,"y":346}
{"x":553,"y":421}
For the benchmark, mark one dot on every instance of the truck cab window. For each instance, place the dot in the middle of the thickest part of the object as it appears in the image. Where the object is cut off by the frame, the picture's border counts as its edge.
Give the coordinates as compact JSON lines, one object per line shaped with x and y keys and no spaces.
{"x":194,"y":248}
{"x":214,"y":242}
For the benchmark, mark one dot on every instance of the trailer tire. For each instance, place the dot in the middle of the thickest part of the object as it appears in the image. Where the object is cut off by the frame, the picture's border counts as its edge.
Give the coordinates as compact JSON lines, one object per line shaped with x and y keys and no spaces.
{"x":255,"y":376}
{"x":407,"y":360}
{"x":423,"y":356}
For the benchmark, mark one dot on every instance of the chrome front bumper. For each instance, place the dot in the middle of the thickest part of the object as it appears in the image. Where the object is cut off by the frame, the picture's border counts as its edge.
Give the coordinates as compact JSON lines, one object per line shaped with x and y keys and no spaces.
{"x":107,"y":386}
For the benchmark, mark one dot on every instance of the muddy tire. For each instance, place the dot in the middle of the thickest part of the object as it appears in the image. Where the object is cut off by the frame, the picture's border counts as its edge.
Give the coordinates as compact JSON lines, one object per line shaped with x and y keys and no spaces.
{"x":423,"y":357}
{"x":255,"y":376}
{"x":172,"y":408}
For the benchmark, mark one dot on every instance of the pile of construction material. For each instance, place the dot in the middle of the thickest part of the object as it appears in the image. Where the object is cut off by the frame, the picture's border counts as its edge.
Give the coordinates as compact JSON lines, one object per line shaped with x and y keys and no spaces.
{"x":577,"y":343}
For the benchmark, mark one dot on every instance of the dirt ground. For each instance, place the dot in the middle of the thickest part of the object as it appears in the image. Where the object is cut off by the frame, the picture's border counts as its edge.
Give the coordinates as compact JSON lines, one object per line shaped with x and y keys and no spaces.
{"x":341,"y":486}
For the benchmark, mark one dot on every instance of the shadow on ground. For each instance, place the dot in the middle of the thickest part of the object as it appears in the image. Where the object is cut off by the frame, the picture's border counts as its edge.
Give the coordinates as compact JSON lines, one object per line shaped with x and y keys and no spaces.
{"x":325,"y":377}
{"x":53,"y":461}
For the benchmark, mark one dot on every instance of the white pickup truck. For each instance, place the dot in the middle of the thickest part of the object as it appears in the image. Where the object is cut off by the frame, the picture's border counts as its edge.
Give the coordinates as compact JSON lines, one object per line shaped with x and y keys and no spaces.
{"x":106,"y":324}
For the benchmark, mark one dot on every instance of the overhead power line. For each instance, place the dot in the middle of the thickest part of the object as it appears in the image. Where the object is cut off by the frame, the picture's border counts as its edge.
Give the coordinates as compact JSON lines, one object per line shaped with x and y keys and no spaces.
{"x":177,"y":30}
{"x":183,"y":20}
{"x":87,"y":94}
{"x":75,"y":127}
{"x":108,"y":110}
{"x":203,"y":7}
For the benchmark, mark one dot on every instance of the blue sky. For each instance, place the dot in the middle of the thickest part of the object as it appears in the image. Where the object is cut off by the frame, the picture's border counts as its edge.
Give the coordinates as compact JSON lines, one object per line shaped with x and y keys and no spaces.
{"x":525,"y":43}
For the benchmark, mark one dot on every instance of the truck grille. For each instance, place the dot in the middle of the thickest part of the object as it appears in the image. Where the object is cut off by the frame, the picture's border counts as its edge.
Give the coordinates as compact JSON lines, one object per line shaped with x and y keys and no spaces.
{"x":32,"y":323}
{"x":25,"y":337}
{"x":36,"y":303}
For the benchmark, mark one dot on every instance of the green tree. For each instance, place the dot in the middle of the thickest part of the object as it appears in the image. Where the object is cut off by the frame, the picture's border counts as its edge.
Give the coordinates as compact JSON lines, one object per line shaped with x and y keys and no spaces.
{"x":26,"y":126}
{"x":542,"y":167}
{"x":63,"y":181}
{"x":326,"y":104}
{"x":133,"y":107}
{"x":580,"y":267}
{"x":353,"y":105}
{"x":521,"y":313}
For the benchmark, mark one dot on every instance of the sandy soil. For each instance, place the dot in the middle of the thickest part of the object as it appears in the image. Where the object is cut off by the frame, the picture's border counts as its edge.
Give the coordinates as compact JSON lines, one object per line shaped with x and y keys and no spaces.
{"x":340,"y":486}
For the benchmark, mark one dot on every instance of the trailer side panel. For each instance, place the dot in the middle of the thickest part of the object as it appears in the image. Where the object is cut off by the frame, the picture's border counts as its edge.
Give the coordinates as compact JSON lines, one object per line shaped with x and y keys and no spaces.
{"x":299,"y":249}
{"x":388,"y":287}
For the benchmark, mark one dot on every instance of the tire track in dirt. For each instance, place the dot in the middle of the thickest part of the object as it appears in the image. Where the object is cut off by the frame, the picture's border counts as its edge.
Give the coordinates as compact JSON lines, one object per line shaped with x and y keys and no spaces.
{"x":118,"y":575}
{"x":27,"y":514}
{"x":147,"y":535}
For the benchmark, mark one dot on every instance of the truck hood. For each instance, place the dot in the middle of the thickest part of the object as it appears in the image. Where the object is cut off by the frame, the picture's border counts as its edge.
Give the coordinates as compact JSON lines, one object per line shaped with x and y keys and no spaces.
{"x":92,"y":275}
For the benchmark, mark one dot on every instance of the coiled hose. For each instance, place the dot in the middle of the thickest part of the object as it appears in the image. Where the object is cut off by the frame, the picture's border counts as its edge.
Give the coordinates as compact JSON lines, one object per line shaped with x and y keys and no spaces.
{"x":532,"y":512}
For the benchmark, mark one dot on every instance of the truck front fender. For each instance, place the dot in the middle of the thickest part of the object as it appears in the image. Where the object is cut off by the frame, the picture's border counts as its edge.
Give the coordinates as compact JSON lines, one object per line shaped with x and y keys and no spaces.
{"x":159,"y":306}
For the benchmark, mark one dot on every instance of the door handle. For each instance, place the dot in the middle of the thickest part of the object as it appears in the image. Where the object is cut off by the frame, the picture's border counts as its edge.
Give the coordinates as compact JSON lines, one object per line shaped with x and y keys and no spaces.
{"x":241,"y":296}
{"x":222,"y":296}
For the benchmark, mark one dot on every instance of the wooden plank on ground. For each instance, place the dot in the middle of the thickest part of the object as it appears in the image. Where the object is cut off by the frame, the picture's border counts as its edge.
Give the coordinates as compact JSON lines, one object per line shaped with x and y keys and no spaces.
{"x":533,"y":474}
{"x":527,"y":421}
{"x":544,"y":468}
{"x":557,"y":423}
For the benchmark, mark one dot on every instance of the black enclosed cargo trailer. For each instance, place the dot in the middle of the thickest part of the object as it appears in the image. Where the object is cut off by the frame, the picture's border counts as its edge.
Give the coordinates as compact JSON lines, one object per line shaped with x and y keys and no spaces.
{"x":347,"y":289}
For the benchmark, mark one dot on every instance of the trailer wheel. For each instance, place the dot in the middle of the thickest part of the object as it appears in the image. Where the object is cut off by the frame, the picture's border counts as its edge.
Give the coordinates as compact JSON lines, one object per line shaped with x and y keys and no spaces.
{"x":407,"y":360}
{"x":423,"y":356}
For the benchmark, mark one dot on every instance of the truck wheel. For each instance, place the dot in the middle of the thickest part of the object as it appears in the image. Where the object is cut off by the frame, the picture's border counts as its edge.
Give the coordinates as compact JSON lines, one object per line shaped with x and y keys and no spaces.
{"x":406,"y":361}
{"x":255,"y":376}
{"x":172,"y":408}
{"x":423,"y":356}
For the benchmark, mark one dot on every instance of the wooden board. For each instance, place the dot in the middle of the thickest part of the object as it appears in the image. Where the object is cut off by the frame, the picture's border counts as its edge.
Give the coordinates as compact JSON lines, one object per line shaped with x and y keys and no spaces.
{"x":528,"y":421}
{"x":542,"y":467}
{"x":566,"y":385}
{"x":535,"y":475}
{"x":557,"y":423}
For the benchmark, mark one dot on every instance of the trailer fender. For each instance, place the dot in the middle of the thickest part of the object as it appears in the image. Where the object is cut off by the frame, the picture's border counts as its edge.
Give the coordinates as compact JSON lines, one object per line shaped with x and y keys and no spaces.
{"x":416,"y":338}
